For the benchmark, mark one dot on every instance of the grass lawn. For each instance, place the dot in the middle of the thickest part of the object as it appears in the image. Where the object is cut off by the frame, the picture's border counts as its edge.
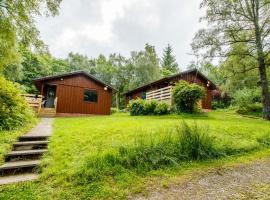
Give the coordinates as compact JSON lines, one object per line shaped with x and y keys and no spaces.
{"x":76,"y":141}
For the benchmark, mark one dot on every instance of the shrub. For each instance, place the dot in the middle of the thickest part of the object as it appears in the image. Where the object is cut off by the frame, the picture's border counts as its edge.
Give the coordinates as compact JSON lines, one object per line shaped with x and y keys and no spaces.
{"x":114,"y":110}
{"x":14,"y":110}
{"x":136,"y":107}
{"x":251,"y":108}
{"x":246,"y":97}
{"x":147,"y":107}
{"x":220,"y":100}
{"x":162,"y":108}
{"x":186,"y":96}
{"x":150,"y":107}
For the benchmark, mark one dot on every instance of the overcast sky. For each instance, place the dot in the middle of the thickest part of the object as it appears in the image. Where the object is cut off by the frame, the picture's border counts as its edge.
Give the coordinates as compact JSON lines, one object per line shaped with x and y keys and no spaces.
{"x":91,"y":27}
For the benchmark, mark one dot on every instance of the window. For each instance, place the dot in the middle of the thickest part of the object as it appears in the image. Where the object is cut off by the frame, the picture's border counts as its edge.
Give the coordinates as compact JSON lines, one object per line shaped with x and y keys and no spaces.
{"x":90,"y":96}
{"x":143,"y":95}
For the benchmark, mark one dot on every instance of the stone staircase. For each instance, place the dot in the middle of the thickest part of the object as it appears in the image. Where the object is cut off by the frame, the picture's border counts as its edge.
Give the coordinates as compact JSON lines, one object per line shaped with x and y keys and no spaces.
{"x":24,"y":159}
{"x":47,"y":112}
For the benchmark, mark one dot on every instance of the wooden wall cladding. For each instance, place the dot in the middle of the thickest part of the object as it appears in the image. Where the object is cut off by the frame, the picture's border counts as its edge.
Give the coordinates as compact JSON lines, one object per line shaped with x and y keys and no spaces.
{"x":70,"y":94}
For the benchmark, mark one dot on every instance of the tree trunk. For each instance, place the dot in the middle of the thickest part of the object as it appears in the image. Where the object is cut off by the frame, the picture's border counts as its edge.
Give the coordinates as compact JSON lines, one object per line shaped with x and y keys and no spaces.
{"x":265,"y":91}
{"x":117,"y":100}
{"x":262,"y":66}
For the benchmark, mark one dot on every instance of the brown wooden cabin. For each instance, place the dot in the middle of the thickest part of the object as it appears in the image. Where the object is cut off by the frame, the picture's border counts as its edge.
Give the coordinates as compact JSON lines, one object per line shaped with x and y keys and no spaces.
{"x":74,"y":93}
{"x":161,"y":90}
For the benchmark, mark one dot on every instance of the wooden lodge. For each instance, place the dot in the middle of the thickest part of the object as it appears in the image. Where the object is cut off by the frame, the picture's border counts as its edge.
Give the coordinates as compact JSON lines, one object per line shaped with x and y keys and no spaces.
{"x":161,"y":90}
{"x":73,"y":93}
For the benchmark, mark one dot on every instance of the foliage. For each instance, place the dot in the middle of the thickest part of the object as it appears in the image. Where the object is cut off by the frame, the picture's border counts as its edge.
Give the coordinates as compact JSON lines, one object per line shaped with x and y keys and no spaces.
{"x":150,"y":107}
{"x":162,"y":108}
{"x":220,"y":100}
{"x":136,"y":107}
{"x":147,"y":107}
{"x":14,"y":110}
{"x":186,"y":96}
{"x":243,"y":43}
{"x":145,"y":66}
{"x":168,"y":62}
{"x":250,"y":109}
{"x":18,"y":27}
{"x":246,"y":97}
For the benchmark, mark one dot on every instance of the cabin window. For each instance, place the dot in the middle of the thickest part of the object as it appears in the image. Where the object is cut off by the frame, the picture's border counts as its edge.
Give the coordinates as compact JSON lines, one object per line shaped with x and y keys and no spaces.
{"x":143,"y":95}
{"x":90,"y":96}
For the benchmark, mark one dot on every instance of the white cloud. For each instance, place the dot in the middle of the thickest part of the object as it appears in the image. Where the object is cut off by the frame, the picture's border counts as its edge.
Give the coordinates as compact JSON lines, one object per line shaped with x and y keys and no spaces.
{"x":108,"y":26}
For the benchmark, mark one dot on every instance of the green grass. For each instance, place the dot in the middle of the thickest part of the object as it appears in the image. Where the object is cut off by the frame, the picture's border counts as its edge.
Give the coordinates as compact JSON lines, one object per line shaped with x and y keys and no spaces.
{"x":76,"y":144}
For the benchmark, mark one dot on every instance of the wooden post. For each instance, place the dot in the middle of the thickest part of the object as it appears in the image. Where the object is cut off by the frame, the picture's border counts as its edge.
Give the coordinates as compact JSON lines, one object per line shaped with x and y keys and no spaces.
{"x":42,"y":87}
{"x":41,"y":90}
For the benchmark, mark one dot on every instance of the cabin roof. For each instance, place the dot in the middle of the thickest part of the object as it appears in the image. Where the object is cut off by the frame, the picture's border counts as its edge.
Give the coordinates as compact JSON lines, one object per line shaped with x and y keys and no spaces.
{"x":75,"y":73}
{"x":169,"y":78}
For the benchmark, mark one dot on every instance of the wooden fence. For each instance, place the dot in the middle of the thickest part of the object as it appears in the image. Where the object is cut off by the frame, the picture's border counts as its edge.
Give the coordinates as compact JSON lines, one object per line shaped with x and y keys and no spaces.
{"x":34,"y":101}
{"x":163,"y":94}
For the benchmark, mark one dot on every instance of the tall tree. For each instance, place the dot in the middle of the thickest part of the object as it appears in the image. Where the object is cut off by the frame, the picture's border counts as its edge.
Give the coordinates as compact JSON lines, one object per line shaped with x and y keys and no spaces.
{"x":145,"y":66}
{"x":78,"y":61}
{"x":18,"y":28}
{"x":238,"y":22}
{"x":168,"y":62}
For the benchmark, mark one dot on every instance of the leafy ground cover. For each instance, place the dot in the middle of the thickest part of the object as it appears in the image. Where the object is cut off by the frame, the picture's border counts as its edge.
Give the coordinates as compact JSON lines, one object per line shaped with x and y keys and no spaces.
{"x":72,"y":168}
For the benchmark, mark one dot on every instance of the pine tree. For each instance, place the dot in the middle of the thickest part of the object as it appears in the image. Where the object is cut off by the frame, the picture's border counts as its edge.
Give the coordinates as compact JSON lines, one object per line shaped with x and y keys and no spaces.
{"x":168,"y":63}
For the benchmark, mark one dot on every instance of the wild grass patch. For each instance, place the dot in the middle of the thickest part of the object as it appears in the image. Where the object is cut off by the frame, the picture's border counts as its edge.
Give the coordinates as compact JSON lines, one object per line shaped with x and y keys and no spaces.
{"x":179,"y":144}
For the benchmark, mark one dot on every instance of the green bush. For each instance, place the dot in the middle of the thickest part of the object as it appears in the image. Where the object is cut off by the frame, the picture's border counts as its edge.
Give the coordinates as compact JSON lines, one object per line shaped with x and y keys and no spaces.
{"x":246,"y":97}
{"x":162,"y":108}
{"x":251,"y":108}
{"x":186,"y":96}
{"x":114,"y":110}
{"x":150,"y":107}
{"x":136,"y":107}
{"x":147,"y":107}
{"x":14,"y":110}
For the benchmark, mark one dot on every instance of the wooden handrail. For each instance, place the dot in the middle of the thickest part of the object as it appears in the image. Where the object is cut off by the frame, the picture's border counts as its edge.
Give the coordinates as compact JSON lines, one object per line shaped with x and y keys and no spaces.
{"x":162,"y":94}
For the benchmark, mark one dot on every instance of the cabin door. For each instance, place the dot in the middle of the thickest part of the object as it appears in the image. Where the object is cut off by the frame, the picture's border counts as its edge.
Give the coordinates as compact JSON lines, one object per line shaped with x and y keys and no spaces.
{"x":50,"y":96}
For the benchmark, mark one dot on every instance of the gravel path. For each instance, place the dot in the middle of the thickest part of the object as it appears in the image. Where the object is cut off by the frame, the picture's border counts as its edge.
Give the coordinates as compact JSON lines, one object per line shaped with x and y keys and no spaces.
{"x":250,"y":181}
{"x":44,"y":128}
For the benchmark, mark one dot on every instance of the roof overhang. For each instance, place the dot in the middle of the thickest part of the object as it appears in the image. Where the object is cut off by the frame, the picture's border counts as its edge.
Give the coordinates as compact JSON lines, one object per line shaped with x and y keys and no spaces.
{"x":39,"y":81}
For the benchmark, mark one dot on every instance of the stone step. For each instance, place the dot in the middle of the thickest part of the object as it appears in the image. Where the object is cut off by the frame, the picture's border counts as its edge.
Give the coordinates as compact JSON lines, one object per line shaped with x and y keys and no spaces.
{"x":29,"y":145}
{"x":25,"y":155}
{"x":49,"y":111}
{"x":32,"y":138}
{"x":47,"y":115}
{"x":18,"y":167}
{"x":18,"y":178}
